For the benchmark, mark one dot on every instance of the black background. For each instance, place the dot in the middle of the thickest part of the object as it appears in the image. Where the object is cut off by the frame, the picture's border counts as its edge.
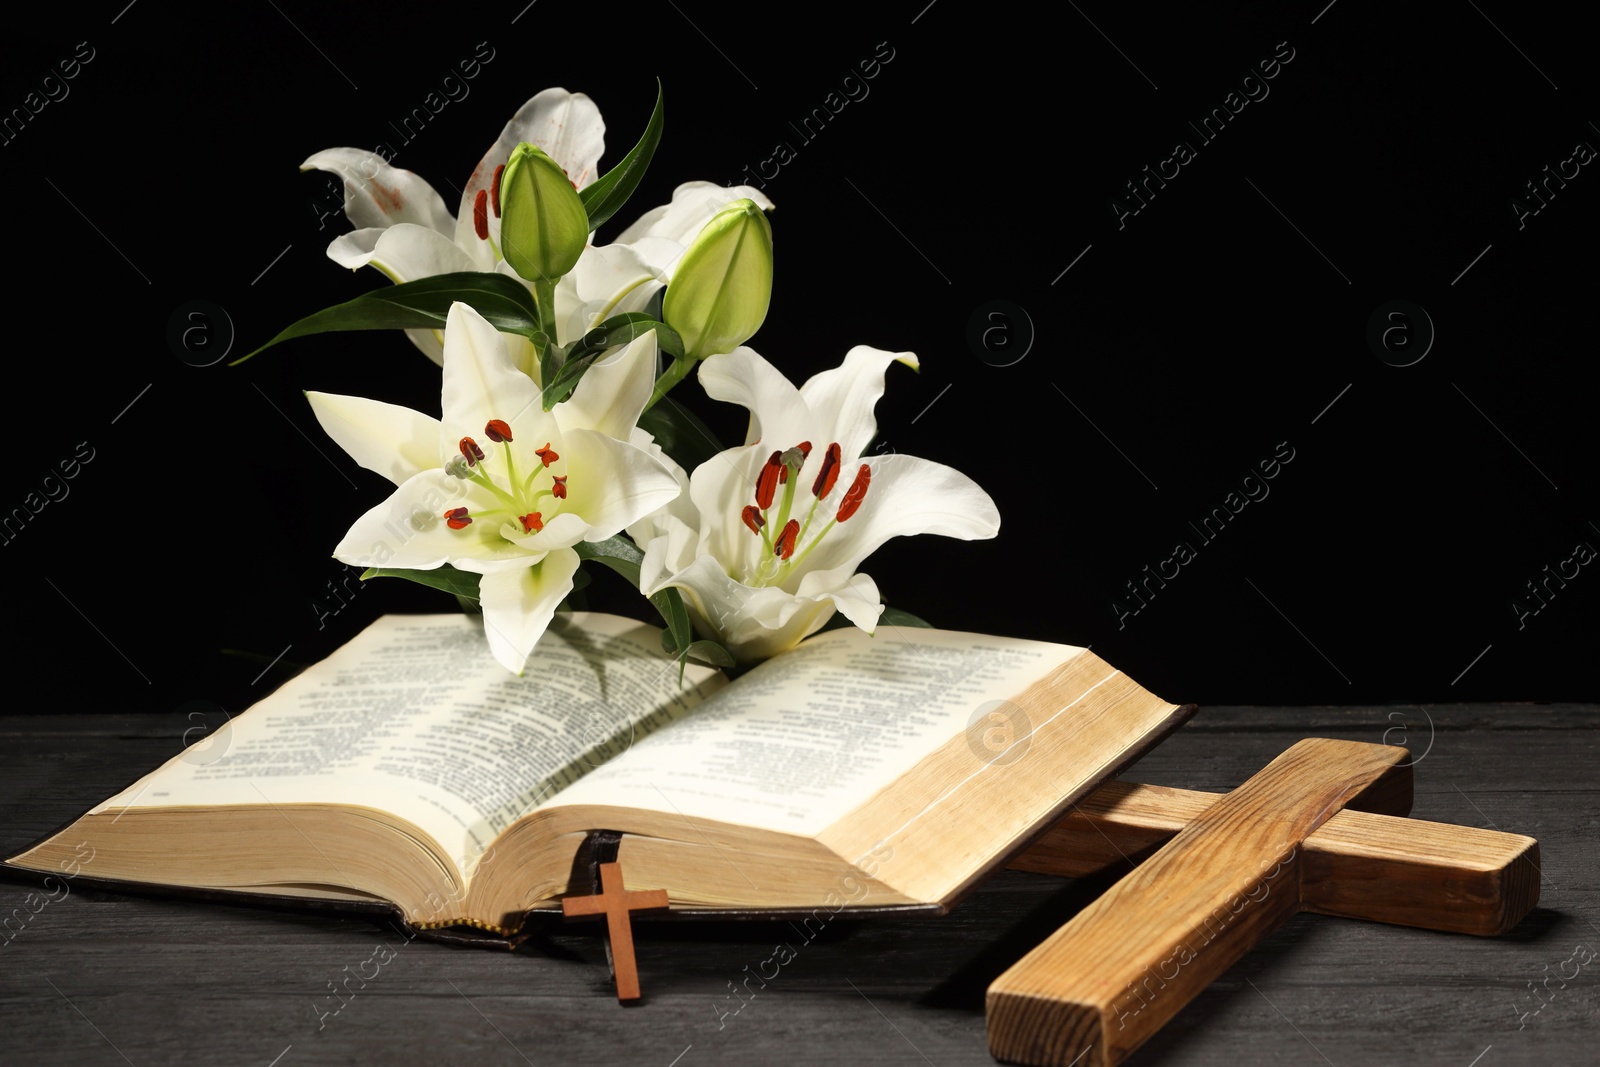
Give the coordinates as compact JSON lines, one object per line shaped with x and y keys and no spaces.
{"x":1180,"y":349}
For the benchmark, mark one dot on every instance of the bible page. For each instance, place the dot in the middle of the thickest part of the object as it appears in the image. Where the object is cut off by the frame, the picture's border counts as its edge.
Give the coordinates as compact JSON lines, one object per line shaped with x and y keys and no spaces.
{"x":811,"y":734}
{"x":415,"y":717}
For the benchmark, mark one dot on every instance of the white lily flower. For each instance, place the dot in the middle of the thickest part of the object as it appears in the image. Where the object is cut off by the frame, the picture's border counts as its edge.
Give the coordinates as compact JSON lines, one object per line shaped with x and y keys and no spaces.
{"x":766,"y":542}
{"x":405,"y":230}
{"x":499,"y":486}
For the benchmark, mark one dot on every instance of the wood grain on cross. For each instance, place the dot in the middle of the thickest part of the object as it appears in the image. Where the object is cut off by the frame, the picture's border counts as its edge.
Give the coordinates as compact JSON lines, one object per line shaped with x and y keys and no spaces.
{"x":1239,"y":867}
{"x":614,"y":902}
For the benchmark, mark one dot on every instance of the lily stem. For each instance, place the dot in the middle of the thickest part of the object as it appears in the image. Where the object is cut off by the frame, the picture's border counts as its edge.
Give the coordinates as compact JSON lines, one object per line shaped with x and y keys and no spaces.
{"x":544,"y":297}
{"x":675,"y":372}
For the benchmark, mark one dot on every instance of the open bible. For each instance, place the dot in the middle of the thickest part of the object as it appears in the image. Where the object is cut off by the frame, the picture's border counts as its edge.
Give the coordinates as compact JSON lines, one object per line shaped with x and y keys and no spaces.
{"x":851,"y":772}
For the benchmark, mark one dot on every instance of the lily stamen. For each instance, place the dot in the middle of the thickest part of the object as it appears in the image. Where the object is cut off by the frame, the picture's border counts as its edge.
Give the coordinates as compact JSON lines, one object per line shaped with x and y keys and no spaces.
{"x":857,"y":493}
{"x":558,"y":486}
{"x":494,"y":189}
{"x":457,"y":518}
{"x":767,"y":481}
{"x":753,"y":518}
{"x":480,"y":215}
{"x":470,"y":451}
{"x":847,"y":507}
{"x":783,"y":548}
{"x":829,"y":474}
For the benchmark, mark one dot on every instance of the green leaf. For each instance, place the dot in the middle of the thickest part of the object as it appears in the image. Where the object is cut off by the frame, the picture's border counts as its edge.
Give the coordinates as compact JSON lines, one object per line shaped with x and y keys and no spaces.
{"x":618,"y":553}
{"x":552,"y":359}
{"x":626,"y":327}
{"x":565,"y":380}
{"x":896,"y":617}
{"x":624,"y":557}
{"x":463,"y":584}
{"x":680,"y":433}
{"x":890,"y":617}
{"x":577,"y":600}
{"x":607,"y":193}
{"x":423,"y":304}
{"x":618,"y":330}
{"x":712,"y":654}
{"x":669,"y":602}
{"x":653,"y":308}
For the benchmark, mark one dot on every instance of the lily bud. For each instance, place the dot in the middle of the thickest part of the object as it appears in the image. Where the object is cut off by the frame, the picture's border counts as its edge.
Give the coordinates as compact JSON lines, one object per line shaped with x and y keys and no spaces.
{"x":543,"y":224}
{"x":721,"y":287}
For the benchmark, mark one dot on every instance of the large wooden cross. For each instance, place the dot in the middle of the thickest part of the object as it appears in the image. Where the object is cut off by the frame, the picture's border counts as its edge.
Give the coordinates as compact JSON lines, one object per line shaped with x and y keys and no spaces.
{"x":1227,"y":871}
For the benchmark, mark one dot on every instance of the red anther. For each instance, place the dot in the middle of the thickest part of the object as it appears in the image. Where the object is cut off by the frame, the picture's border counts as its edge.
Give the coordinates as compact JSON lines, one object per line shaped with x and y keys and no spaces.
{"x":767,"y":480}
{"x":857,"y":492}
{"x":753,"y":518}
{"x":497,"y":431}
{"x":805,"y":449}
{"x":558,"y":487}
{"x":546,"y":456}
{"x":480,"y":215}
{"x":784,"y":546}
{"x":470,"y":451}
{"x":783,"y":475}
{"x":828,"y":474}
{"x":457,"y":518}
{"x":494,"y":190}
{"x":532,"y":522}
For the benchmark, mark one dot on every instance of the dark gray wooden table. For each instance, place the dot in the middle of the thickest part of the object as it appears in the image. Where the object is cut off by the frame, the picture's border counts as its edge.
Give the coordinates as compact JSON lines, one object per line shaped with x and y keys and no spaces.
{"x":102,"y":978}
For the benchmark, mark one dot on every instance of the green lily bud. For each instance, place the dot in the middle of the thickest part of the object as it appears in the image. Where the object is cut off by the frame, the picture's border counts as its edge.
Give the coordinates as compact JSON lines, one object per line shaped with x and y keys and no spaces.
{"x":722,"y":286}
{"x":543,"y":224}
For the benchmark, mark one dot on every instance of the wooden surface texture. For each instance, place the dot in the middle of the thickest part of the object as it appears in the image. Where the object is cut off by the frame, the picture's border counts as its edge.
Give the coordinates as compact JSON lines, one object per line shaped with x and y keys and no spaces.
{"x":101,"y":978}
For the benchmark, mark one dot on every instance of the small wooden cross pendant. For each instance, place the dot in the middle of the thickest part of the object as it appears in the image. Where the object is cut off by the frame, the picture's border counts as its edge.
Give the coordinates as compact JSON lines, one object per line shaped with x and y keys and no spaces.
{"x":615,"y":903}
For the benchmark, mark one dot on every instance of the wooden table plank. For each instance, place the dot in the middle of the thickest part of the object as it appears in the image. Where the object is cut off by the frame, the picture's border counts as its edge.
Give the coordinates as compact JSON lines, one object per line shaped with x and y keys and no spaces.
{"x":171,"y":982}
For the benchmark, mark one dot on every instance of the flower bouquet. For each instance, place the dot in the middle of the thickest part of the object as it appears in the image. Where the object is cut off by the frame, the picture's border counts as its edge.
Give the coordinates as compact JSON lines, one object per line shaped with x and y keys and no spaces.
{"x":557,"y":442}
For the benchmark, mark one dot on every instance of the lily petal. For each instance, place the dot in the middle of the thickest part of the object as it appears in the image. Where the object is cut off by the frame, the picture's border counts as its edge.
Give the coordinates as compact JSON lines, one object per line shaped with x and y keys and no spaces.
{"x":518,"y":605}
{"x":909,"y":495}
{"x":841,"y":400}
{"x":376,"y":194}
{"x":754,"y":623}
{"x":429,"y":342}
{"x":608,"y":280}
{"x":481,"y":382}
{"x":388,"y":439}
{"x":404,"y":252}
{"x":677,"y":520}
{"x":720,"y":488}
{"x":561,"y":531}
{"x":611,"y":483}
{"x":692,"y":205}
{"x":778,"y":412}
{"x":566,"y":125}
{"x":409,"y":529}
{"x":855,"y":595}
{"x":614,"y":390}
